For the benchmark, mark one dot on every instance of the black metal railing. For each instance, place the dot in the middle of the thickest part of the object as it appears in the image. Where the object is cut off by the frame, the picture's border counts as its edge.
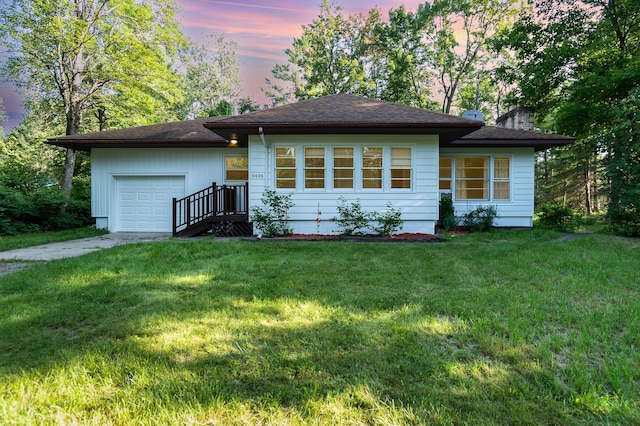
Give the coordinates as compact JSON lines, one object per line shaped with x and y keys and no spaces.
{"x":214,"y":201}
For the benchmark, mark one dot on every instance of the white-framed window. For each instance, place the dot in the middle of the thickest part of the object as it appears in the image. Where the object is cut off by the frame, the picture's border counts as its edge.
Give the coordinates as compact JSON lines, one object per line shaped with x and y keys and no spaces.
{"x":343,"y":169}
{"x":286,"y":167}
{"x":476,"y":177}
{"x":236,"y":168}
{"x":400,"y":168}
{"x":445,"y":173}
{"x":501,"y":178}
{"x":372,"y":167}
{"x":472,"y":178}
{"x":314,"y":168}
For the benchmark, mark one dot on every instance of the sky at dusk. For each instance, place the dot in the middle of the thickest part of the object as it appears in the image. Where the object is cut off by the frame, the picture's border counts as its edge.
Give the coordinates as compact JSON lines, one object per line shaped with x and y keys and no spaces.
{"x":262,"y":29}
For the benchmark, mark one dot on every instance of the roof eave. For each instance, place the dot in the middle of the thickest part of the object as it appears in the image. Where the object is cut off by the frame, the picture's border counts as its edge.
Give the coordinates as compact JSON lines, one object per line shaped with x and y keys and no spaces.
{"x":537,"y":144}
{"x":448,"y":131}
{"x":84,"y":145}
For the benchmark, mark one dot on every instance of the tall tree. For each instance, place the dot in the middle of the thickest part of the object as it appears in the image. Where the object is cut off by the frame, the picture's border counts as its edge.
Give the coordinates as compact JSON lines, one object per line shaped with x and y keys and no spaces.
{"x":211,"y":76}
{"x":406,"y":74}
{"x":74,"y":52}
{"x":459,"y":43}
{"x":576,"y":60}
{"x":330,"y":56}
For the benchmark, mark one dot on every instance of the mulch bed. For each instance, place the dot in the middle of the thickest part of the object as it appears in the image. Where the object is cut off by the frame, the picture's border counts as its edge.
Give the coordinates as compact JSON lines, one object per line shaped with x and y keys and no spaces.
{"x":405,"y":237}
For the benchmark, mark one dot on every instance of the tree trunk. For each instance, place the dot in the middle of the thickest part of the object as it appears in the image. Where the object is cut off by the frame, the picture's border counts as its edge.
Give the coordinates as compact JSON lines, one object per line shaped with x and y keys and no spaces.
{"x":67,"y":174}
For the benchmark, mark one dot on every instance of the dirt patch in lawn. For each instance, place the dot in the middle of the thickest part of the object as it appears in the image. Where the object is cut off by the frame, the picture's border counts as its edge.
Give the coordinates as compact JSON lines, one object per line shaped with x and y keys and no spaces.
{"x":7,"y":268}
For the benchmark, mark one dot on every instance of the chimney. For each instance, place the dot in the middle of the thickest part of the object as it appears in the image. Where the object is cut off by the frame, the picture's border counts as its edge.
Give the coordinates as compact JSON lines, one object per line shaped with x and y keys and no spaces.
{"x":520,"y":118}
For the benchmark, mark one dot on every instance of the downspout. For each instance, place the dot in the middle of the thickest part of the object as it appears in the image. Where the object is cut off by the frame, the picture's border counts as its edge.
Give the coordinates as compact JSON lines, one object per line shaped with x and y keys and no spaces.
{"x":264,"y":141}
{"x":267,"y":173}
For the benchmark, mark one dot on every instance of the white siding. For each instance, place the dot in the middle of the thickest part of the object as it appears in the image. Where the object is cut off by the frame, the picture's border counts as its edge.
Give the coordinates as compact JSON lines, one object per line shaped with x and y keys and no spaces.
{"x":198,"y":166}
{"x":418,"y":204}
{"x":518,"y":211}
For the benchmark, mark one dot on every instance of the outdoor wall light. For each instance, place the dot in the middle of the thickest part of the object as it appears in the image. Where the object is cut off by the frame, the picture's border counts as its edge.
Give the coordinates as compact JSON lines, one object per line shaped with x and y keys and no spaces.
{"x":233,"y":140}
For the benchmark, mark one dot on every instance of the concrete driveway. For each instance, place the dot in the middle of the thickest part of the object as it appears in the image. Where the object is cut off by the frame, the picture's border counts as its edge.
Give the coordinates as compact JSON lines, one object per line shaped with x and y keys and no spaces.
{"x":79,"y":247}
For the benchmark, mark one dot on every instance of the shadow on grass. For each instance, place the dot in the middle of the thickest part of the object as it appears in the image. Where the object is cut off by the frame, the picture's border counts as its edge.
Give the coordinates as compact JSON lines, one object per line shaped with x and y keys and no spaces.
{"x":212,"y":325}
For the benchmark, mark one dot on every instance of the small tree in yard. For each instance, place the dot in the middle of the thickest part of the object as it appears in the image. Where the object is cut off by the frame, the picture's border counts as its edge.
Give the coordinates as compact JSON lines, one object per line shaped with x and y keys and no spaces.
{"x":447,"y":219}
{"x":273,"y":219}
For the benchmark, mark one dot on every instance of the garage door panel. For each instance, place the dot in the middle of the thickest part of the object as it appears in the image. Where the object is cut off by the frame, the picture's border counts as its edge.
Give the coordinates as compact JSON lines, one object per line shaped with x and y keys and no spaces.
{"x":144,"y":203}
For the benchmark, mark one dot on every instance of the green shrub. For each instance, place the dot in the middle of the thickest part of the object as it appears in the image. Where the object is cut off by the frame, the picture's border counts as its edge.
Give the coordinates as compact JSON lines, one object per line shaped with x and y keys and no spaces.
{"x":447,"y":218}
{"x":41,"y":209}
{"x":351,"y":219}
{"x":480,"y":219}
{"x":273,"y":219}
{"x":558,"y":217}
{"x":388,"y":222}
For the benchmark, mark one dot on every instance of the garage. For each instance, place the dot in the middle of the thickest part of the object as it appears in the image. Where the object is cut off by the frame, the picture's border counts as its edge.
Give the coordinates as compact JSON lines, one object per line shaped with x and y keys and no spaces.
{"x":144,"y":203}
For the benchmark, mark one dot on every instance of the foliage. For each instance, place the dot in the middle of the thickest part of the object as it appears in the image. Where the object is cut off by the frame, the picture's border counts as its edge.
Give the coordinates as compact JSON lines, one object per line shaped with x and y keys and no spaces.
{"x":447,"y":217}
{"x":558,"y":217}
{"x":480,"y":219}
{"x":211,"y":79}
{"x":272,"y":218}
{"x":405,"y":75}
{"x":79,"y":56}
{"x":388,"y":222}
{"x":400,"y":59}
{"x":233,"y":332}
{"x":351,"y":219}
{"x":455,"y":57}
{"x":331,"y":56}
{"x":623,"y":166}
{"x":575,"y":61}
{"x":40,"y":209}
{"x":3,"y":117}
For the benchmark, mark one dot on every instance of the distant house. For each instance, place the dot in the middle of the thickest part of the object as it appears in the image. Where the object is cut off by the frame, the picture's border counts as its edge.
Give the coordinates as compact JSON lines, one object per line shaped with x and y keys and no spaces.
{"x":319,"y":150}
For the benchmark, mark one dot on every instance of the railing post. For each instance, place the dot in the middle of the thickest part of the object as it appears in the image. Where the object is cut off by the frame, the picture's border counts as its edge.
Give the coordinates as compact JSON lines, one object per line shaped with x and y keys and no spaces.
{"x":246,"y":198}
{"x":175,"y":228}
{"x":214,"y":195}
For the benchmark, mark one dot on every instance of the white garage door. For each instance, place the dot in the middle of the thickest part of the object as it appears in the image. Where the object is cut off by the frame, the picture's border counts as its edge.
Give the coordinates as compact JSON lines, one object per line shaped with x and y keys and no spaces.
{"x":145,"y":202}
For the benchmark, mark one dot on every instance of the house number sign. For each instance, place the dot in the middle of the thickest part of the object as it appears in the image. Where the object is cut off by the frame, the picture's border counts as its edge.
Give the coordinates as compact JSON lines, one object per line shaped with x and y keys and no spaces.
{"x":257,"y":175}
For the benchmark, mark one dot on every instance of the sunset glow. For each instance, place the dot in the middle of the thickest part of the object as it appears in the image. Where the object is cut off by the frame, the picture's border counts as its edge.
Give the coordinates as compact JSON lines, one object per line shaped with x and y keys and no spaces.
{"x":262,"y":30}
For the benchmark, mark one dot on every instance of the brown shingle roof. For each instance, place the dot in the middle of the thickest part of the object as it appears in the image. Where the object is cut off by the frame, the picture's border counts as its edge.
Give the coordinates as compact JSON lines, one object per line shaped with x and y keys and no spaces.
{"x":336,"y":114}
{"x":342,"y":114}
{"x":184,"y":134}
{"x":490,"y":136}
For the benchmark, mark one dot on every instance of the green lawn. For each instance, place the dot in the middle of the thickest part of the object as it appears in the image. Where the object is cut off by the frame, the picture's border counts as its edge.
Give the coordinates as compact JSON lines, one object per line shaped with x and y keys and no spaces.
{"x":503,"y":328}
{"x":27,"y":240}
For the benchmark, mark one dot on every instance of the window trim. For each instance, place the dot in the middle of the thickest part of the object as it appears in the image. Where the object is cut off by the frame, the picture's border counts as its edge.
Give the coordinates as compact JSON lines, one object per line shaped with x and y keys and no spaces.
{"x":226,"y":169}
{"x":305,"y":168}
{"x":295,"y":168}
{"x":386,"y":184}
{"x":491,"y":177}
{"x":362,"y":168}
{"x":410,"y":168}
{"x":334,"y":168}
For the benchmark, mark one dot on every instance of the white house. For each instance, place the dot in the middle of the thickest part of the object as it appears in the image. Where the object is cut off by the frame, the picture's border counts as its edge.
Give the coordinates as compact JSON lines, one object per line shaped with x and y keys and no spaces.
{"x":319,"y":150}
